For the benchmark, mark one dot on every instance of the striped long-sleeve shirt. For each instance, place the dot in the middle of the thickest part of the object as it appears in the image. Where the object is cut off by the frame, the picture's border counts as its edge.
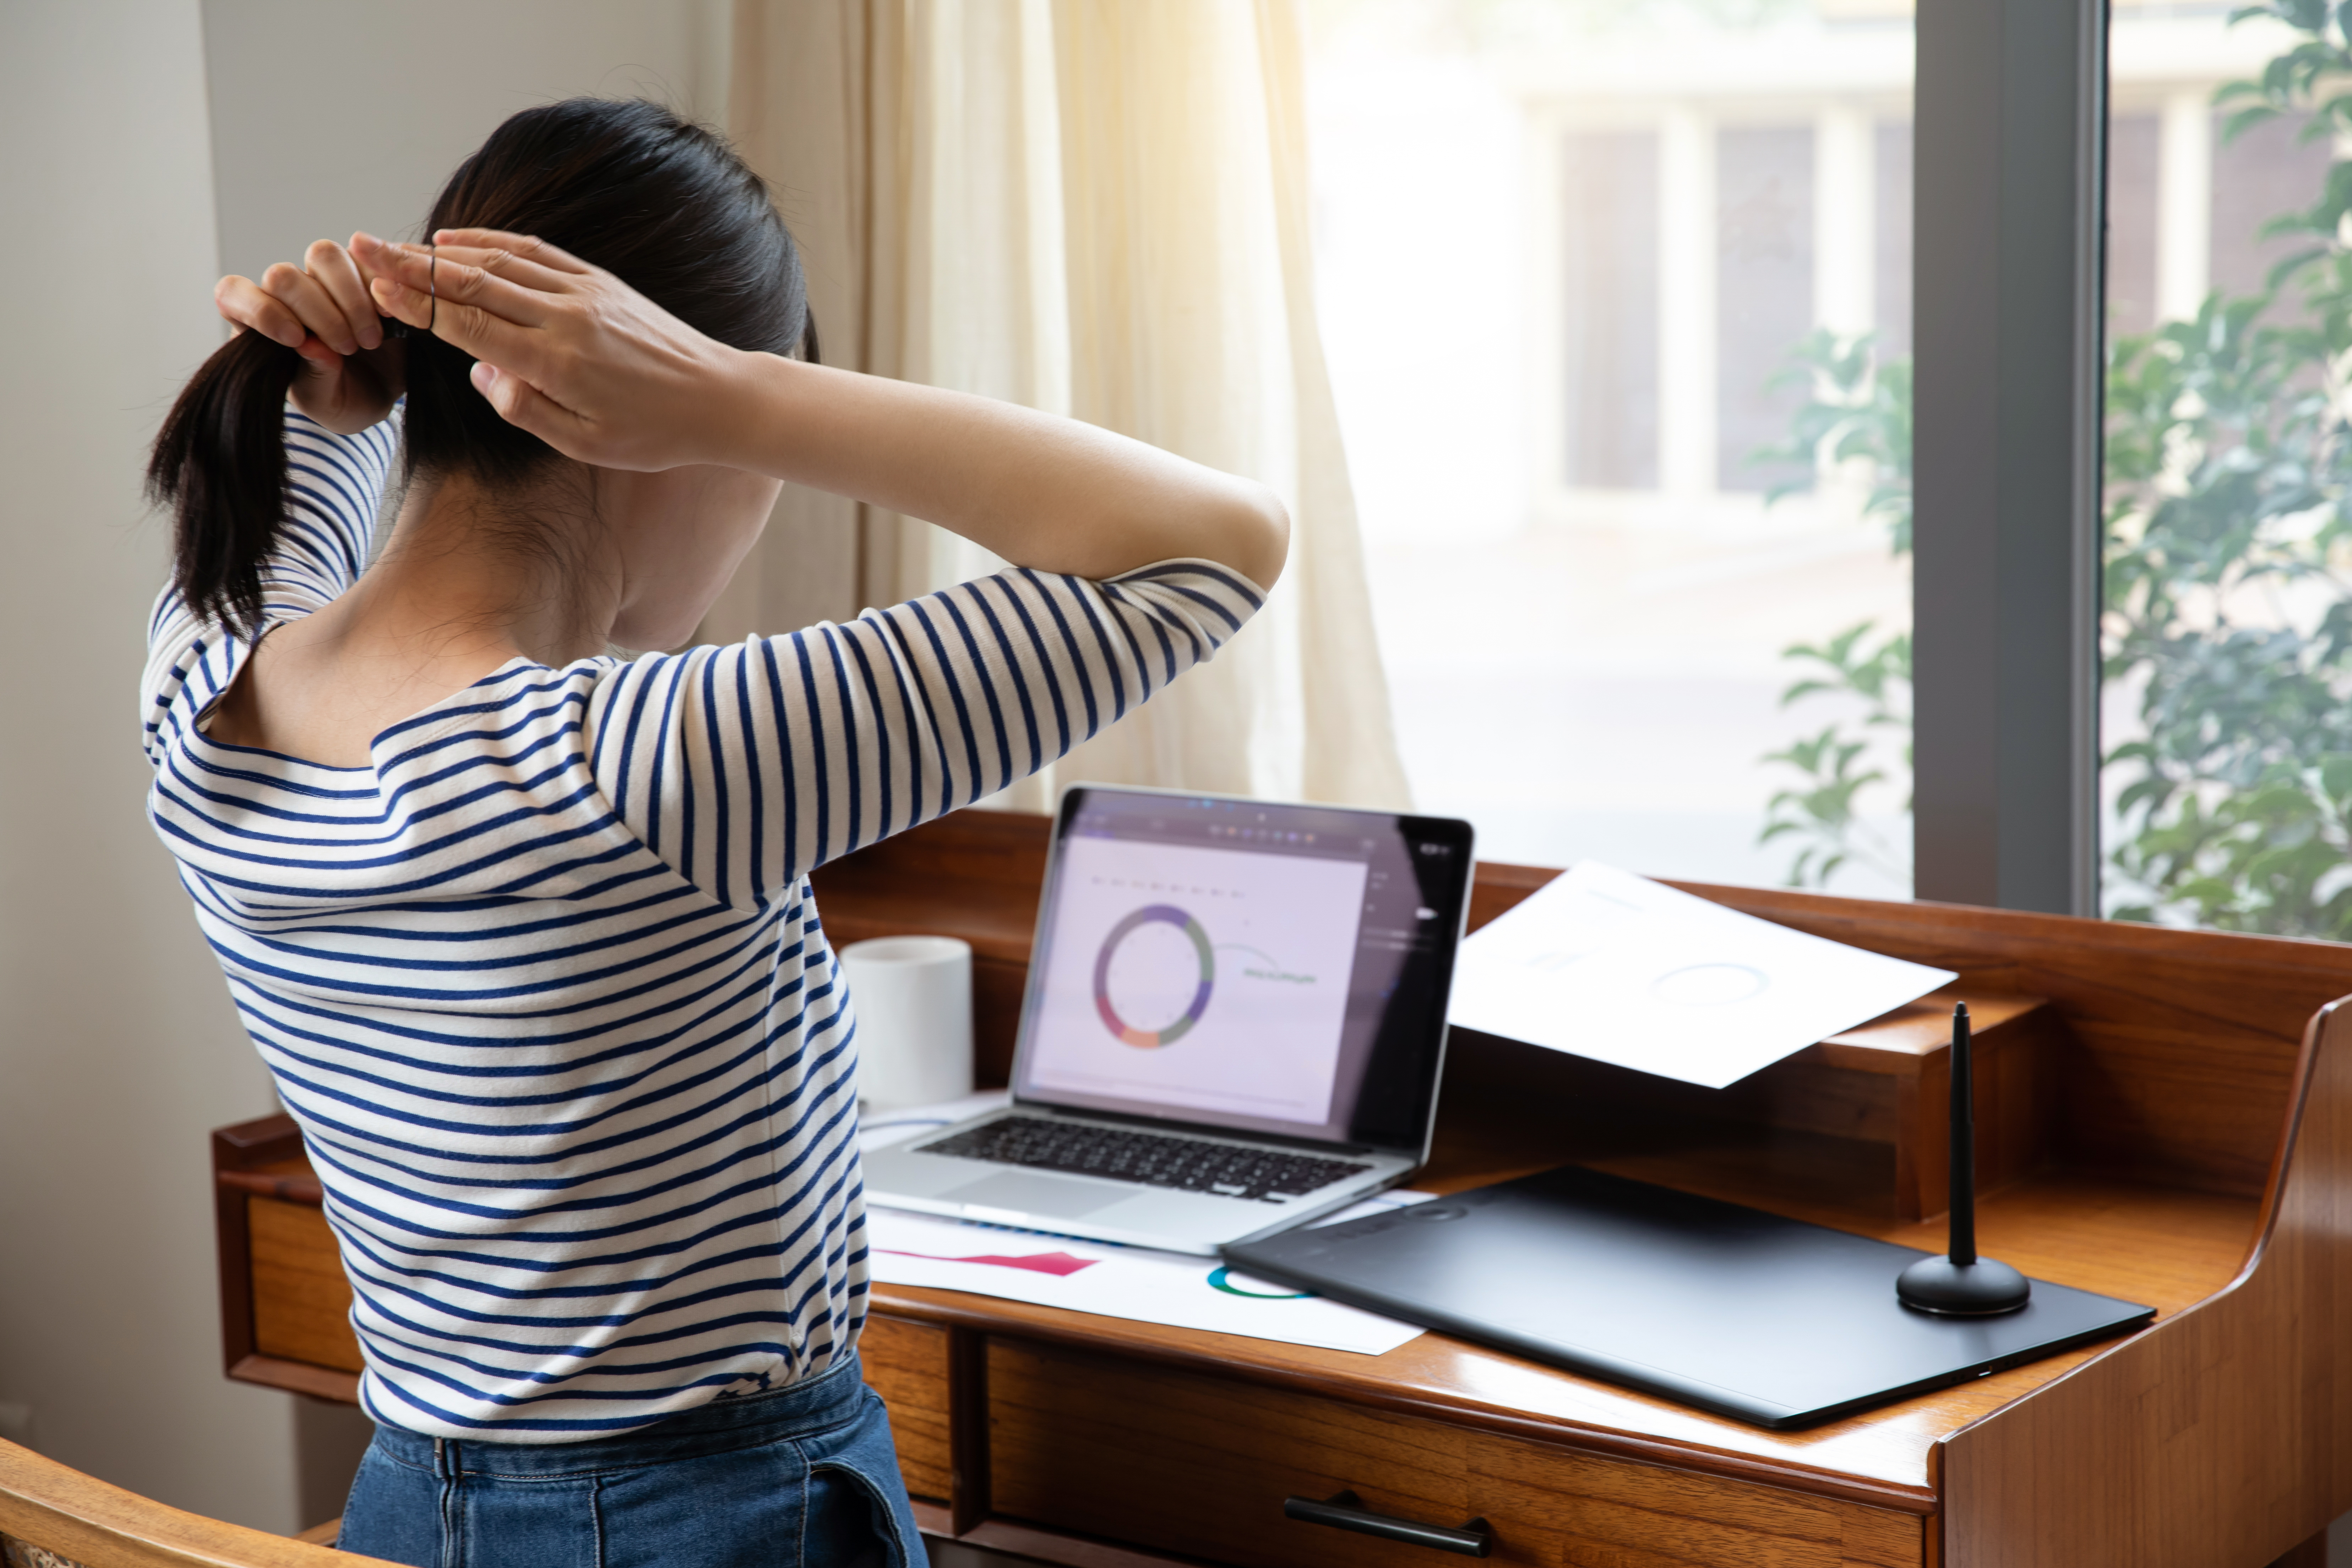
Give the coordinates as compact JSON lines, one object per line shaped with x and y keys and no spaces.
{"x":544,"y":985}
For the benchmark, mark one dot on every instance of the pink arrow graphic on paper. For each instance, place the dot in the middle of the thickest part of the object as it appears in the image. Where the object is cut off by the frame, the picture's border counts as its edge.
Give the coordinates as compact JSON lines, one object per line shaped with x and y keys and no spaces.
{"x":1060,"y":1263}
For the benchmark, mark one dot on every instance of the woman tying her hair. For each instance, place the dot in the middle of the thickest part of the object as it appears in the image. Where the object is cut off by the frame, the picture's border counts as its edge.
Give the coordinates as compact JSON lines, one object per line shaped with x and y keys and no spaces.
{"x":523,"y":930}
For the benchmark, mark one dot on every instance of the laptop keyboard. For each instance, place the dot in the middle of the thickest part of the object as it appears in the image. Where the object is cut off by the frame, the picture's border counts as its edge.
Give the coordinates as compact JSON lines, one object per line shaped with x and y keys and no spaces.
{"x":1153,"y":1158}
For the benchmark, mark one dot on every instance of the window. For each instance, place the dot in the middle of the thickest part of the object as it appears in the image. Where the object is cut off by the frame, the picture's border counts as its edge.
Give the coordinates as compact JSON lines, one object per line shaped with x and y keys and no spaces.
{"x":2226,"y":710}
{"x":1617,"y":300}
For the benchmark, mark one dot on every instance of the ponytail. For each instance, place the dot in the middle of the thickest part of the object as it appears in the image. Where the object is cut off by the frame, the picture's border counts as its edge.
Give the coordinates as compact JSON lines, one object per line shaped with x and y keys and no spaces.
{"x":220,"y":464}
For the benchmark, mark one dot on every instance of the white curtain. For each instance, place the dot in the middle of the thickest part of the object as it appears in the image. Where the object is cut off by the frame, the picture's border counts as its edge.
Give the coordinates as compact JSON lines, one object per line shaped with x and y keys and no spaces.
{"x":1098,"y":208}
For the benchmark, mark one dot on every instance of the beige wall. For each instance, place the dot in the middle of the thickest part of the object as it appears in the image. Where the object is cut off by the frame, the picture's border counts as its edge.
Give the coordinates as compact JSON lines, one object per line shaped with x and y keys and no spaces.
{"x":118,"y":1049}
{"x":126,"y":194}
{"x":330,"y":115}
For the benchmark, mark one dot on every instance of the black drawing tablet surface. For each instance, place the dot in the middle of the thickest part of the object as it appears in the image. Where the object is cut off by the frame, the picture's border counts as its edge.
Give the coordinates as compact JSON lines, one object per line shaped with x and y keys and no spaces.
{"x":1732,"y":1309}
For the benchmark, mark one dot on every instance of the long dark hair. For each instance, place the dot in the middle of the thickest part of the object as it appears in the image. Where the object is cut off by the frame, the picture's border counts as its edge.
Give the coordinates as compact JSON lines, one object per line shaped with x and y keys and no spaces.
{"x":662,"y":204}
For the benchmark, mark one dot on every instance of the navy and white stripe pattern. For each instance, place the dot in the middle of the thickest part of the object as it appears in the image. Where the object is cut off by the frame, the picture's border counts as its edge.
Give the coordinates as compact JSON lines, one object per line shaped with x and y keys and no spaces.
{"x":545,"y":987}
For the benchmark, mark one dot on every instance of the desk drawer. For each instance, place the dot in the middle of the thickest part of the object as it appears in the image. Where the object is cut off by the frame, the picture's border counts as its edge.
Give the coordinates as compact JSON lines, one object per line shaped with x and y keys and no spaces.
{"x":1179,"y":1462}
{"x":906,"y":1364}
{"x":302,"y":1299}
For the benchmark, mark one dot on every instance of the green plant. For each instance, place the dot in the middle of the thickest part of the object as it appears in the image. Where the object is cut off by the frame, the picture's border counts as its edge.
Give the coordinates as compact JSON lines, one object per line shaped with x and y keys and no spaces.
{"x":1820,"y":815}
{"x":2229,"y":565}
{"x":2227,"y":610}
{"x":1855,"y":412}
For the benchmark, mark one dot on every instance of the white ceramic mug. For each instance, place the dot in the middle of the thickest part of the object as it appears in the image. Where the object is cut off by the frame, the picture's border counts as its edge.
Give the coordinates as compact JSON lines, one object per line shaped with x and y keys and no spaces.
{"x":912,"y":996}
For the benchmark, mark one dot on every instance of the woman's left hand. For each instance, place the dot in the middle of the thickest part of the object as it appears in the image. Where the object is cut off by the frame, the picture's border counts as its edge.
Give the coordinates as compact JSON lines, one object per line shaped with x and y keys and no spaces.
{"x":351,"y":376}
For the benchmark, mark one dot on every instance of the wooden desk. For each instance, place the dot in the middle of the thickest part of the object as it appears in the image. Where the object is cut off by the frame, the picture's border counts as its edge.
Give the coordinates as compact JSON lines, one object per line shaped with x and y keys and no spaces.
{"x":2181,"y":1110}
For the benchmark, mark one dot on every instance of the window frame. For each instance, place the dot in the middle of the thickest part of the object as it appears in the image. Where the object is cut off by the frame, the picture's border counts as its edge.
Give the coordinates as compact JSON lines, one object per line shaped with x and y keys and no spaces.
{"x":2008,"y":249}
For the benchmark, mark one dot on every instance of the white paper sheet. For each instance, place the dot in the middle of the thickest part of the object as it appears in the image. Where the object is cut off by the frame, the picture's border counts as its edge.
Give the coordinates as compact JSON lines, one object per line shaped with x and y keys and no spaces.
{"x":1132,"y":1282}
{"x":1602,"y":963}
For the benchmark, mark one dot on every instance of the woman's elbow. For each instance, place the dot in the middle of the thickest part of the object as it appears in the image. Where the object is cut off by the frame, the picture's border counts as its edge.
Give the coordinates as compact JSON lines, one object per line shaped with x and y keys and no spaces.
{"x":1258,"y":531}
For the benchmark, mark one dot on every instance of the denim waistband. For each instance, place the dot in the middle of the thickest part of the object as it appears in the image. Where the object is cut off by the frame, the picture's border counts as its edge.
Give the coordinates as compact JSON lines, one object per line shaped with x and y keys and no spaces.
{"x":722,"y":1424}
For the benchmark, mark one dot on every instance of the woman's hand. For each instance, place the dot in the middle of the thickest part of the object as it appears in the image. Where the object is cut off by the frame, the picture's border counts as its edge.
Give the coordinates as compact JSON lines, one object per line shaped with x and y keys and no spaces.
{"x":567,"y":351}
{"x":350,"y":376}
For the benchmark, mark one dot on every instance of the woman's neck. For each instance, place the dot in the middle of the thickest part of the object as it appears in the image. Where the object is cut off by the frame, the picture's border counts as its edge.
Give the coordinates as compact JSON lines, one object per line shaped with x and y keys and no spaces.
{"x":470,"y":573}
{"x":469,"y":581}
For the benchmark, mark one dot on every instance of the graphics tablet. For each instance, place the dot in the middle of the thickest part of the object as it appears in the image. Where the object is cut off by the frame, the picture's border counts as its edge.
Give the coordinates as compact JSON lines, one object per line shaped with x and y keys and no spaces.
{"x":1729,"y":1309}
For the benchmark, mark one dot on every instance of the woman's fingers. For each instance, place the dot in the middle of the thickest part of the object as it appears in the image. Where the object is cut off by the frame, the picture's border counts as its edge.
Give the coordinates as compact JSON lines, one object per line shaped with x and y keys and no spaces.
{"x":373,"y":257}
{"x":524,"y":406}
{"x":246,"y":303}
{"x":455,"y":321}
{"x":332,"y":269}
{"x":448,"y":275}
{"x":526,"y":247}
{"x":378,"y":258}
{"x":308,"y":300}
{"x":512,"y":267}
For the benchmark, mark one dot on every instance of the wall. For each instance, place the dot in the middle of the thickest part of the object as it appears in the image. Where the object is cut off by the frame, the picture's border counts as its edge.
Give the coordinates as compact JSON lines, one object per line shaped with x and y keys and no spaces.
{"x":118,"y":1049}
{"x":131,"y":186}
{"x":332,"y":117}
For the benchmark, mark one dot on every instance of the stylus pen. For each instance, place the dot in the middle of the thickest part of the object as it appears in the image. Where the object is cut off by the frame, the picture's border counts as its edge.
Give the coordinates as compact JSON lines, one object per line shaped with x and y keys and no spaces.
{"x":1962,"y":1201}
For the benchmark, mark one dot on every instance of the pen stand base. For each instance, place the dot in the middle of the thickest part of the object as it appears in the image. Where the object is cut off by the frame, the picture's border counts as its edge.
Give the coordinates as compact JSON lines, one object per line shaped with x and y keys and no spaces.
{"x":1980,"y":1290}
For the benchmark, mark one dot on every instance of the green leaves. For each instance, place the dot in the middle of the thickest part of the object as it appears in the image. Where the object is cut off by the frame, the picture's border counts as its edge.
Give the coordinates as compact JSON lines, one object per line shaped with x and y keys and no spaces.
{"x":1819,"y":816}
{"x":2228,"y":558}
{"x":1857,"y":408}
{"x":2301,"y":78}
{"x":1880,"y":675}
{"x":2269,"y":858}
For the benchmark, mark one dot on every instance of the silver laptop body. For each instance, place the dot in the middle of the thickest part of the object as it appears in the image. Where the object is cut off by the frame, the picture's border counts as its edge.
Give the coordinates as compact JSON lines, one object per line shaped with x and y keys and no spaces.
{"x":1235,"y":1023}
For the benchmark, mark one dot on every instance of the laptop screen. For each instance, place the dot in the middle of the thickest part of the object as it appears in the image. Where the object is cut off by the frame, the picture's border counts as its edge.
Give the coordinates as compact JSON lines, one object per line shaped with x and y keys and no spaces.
{"x":1245,"y":965}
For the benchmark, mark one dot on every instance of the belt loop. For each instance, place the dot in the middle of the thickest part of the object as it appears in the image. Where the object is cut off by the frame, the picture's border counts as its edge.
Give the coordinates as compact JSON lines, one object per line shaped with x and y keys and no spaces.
{"x":440,"y":1459}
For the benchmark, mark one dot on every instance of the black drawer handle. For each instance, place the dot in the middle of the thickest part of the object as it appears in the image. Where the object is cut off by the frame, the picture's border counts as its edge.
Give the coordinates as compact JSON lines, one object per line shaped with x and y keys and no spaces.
{"x":1347,"y":1511}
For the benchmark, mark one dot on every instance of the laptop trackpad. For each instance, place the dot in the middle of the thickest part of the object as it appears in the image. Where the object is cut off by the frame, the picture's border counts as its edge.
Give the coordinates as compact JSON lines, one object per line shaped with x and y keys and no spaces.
{"x":1021,"y":1192}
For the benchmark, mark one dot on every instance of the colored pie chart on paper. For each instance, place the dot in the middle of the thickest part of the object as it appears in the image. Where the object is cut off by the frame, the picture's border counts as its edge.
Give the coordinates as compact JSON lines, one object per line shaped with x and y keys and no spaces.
{"x":1169,"y":973}
{"x":1256,"y":1290}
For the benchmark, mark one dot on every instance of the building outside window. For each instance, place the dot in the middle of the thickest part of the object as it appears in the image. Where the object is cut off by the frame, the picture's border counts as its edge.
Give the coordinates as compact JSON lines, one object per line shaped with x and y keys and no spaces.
{"x":1617,"y":298}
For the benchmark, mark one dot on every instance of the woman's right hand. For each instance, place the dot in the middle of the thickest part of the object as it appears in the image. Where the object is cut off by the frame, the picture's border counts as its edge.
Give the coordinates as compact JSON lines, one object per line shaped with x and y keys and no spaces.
{"x":350,"y":375}
{"x":568,"y":351}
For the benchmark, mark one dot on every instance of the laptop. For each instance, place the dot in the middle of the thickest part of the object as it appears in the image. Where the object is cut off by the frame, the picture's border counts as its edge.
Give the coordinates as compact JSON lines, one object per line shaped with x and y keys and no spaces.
{"x":1235,"y":1023}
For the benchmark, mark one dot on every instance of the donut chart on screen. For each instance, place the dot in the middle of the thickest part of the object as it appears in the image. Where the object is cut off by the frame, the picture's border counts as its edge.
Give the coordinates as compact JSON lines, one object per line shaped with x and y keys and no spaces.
{"x":1150,"y":1039}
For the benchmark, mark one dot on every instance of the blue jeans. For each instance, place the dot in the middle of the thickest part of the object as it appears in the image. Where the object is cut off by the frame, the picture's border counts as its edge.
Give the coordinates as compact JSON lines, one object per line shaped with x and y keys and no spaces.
{"x":804,"y":1477}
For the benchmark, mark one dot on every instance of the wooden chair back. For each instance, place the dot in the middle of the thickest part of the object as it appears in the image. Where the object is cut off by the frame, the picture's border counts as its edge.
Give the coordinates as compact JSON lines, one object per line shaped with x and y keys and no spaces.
{"x":52,"y":1516}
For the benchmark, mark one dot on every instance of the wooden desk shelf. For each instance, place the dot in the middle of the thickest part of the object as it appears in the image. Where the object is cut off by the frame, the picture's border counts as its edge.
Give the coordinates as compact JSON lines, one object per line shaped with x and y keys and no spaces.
{"x":1866,"y":1115}
{"x":2168,"y":1118}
